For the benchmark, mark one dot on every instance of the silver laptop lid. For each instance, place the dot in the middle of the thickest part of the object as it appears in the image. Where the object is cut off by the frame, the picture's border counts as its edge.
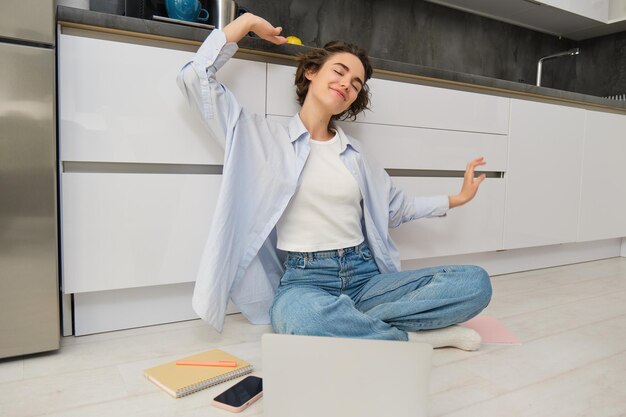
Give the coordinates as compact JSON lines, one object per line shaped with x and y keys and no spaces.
{"x":309,"y":376}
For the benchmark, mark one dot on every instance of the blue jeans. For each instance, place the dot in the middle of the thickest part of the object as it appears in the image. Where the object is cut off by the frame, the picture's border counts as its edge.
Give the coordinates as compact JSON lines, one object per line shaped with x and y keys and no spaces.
{"x":341,"y":293}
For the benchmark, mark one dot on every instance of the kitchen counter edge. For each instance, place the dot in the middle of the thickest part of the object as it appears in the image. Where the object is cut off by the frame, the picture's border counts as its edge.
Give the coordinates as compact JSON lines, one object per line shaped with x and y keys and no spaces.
{"x":103,"y":22}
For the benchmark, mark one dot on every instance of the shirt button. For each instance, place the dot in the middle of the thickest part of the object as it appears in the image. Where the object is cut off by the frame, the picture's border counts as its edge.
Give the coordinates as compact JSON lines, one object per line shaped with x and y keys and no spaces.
{"x":205,"y":82}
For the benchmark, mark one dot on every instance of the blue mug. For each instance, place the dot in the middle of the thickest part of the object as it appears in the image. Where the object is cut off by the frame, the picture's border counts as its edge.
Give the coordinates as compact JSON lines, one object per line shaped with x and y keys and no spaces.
{"x":189,"y":10}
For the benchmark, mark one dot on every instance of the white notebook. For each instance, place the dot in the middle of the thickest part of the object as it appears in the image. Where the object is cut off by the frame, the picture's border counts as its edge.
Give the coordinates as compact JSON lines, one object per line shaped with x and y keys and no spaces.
{"x":307,"y":376}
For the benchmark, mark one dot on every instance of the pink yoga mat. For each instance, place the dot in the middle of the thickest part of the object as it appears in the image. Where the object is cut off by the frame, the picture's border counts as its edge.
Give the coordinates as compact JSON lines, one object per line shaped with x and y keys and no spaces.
{"x":492,"y":331}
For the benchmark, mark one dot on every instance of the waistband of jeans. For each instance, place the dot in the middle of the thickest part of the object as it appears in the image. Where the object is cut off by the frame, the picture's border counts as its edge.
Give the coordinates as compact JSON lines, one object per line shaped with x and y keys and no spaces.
{"x":328,"y":253}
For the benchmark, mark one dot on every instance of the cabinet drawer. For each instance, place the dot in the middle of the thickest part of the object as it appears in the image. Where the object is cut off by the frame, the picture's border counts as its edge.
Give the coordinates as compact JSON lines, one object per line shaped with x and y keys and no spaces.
{"x":397,"y":147}
{"x":400,"y":147}
{"x":474,"y":227}
{"x":119,"y":102}
{"x":131,"y":230}
{"x":405,"y":104}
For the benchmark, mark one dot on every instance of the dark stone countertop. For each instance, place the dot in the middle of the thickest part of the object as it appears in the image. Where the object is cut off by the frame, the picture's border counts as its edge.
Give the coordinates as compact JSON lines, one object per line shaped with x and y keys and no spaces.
{"x":382,"y":67}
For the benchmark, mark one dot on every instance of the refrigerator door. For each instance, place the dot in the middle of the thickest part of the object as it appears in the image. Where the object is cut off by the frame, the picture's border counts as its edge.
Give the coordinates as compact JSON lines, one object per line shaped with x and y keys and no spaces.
{"x":29,"y":287}
{"x":27,"y":20}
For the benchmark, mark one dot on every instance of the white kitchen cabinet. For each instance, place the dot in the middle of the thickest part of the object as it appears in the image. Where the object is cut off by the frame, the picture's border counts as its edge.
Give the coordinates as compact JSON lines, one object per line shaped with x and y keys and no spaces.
{"x":543,"y":176}
{"x":406,"y":148}
{"x":603,"y":193}
{"x":573,"y":19}
{"x":135,"y":224}
{"x":405,"y":104}
{"x":119,"y":102}
{"x":401,"y":147}
{"x":132,"y":230}
{"x":474,"y":227}
{"x":595,"y":9}
{"x":281,"y":91}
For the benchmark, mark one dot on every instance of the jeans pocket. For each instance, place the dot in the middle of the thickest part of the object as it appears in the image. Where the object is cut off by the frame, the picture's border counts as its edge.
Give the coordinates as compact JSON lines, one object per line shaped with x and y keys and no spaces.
{"x":365,"y":253}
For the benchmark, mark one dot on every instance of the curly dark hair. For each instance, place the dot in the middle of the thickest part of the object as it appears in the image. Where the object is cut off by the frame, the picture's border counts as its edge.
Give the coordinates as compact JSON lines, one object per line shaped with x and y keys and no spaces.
{"x":314,"y":59}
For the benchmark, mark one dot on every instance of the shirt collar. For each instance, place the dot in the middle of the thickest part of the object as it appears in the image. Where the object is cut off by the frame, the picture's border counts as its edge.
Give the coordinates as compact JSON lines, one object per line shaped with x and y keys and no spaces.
{"x":344,"y":139}
{"x":297,"y":130}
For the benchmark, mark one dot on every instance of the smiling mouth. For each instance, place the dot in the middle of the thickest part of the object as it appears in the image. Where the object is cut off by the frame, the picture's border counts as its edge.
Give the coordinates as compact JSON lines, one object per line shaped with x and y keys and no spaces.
{"x":343,"y":97}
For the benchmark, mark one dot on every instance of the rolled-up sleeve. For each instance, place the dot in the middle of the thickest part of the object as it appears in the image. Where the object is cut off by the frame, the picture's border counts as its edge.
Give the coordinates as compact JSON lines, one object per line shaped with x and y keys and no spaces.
{"x":403,"y":209}
{"x":216,"y":105}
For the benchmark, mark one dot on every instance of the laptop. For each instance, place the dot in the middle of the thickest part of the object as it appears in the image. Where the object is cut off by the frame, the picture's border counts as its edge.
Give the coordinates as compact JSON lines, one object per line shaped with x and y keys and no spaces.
{"x":310,"y":376}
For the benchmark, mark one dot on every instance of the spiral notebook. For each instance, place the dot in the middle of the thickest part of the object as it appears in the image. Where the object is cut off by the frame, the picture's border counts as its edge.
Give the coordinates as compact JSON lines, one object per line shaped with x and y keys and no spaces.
{"x":181,"y":380}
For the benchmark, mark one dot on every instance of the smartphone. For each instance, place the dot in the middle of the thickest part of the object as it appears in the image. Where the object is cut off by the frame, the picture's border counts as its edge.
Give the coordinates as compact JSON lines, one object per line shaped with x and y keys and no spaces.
{"x":239,"y":397}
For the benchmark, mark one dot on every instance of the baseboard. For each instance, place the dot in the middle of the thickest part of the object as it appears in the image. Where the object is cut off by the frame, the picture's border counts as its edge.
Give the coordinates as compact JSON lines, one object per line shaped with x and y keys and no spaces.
{"x":517,"y":260}
{"x":623,"y":252}
{"x":103,"y":311}
{"x":66,"y":315}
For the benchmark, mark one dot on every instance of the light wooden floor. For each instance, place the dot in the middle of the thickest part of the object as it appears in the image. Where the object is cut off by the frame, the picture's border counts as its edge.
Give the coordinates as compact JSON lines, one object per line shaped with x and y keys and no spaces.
{"x":571,"y":319}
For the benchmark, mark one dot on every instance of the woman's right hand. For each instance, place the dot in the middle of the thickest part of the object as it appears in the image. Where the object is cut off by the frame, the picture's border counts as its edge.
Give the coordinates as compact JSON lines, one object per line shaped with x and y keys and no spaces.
{"x":248,"y":22}
{"x":265,"y":30}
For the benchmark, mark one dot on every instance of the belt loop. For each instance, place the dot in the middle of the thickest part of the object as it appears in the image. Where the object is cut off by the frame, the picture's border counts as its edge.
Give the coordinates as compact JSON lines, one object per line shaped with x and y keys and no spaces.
{"x":340,"y":252}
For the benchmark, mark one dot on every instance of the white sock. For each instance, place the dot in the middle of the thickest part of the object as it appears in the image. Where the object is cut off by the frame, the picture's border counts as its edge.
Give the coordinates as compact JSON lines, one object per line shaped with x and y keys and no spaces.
{"x":454,"y":336}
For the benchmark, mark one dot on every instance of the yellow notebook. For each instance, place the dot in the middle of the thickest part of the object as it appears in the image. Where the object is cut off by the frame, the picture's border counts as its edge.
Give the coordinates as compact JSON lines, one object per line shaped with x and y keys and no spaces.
{"x":181,"y":380}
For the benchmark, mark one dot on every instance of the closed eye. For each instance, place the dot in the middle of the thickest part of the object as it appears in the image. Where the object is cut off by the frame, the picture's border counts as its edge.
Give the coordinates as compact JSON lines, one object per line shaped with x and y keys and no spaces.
{"x":356,"y":88}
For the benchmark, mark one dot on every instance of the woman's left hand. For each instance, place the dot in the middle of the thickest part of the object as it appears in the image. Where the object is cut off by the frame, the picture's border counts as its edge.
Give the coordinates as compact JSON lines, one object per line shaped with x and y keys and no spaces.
{"x":470,"y":184}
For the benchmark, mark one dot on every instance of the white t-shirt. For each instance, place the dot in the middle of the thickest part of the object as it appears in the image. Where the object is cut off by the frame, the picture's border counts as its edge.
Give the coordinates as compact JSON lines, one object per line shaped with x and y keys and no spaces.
{"x":325,"y":212}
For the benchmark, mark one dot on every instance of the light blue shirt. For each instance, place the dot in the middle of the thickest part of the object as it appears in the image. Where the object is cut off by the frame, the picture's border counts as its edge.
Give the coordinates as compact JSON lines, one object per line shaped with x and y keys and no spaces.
{"x":263,"y":160}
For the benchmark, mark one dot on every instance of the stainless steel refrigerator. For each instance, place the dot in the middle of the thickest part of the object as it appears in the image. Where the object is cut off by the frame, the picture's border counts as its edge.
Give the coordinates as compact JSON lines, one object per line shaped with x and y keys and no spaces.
{"x":29,"y":284}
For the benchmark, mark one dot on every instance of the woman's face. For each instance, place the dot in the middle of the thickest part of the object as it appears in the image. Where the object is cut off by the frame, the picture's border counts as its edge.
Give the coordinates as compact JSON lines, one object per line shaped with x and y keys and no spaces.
{"x":338,"y":82}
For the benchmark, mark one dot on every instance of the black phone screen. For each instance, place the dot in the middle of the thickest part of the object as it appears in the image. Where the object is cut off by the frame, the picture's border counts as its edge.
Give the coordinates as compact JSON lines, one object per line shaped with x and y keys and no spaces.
{"x":241,"y":392}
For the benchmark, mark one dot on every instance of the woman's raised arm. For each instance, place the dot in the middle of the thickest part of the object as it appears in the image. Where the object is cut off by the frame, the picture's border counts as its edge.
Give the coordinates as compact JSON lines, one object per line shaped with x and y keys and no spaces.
{"x":216,"y":104}
{"x":238,"y":28}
